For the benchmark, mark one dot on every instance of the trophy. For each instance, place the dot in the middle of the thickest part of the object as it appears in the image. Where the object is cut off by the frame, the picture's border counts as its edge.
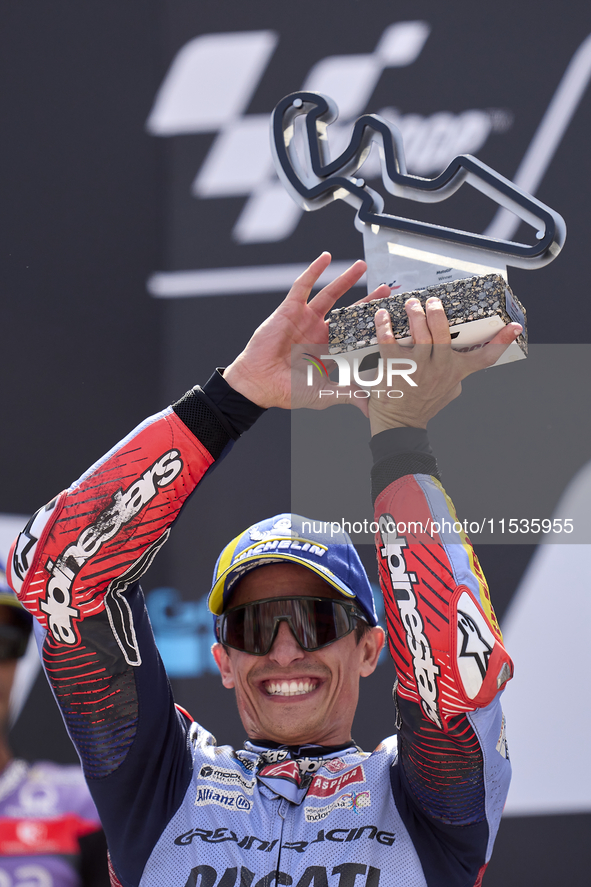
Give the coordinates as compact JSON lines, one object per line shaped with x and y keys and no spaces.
{"x":467,"y":271}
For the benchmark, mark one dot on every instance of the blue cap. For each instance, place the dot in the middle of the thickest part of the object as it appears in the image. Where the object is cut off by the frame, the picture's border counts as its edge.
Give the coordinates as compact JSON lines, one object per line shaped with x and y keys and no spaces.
{"x":294,"y":539}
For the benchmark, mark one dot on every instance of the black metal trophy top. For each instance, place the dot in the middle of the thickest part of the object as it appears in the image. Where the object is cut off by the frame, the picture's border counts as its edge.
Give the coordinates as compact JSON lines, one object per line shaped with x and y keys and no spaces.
{"x":317,"y":181}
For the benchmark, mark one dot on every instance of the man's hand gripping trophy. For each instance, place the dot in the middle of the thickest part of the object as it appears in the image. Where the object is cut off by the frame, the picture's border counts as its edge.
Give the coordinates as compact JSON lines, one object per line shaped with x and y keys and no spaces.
{"x":271,"y":371}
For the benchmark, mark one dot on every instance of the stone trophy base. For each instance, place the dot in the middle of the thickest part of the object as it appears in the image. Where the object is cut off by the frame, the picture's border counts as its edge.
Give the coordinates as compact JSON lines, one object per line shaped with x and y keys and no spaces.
{"x":476,"y":307}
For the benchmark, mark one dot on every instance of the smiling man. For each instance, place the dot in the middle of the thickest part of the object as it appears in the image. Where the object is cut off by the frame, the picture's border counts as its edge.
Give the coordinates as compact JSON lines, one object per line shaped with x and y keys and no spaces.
{"x":302,"y":685}
{"x":300,"y":805}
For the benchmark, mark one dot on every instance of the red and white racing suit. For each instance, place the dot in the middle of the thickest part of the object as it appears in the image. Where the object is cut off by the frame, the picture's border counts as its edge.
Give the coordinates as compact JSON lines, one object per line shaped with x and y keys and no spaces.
{"x":50,"y":834}
{"x":423,"y":809}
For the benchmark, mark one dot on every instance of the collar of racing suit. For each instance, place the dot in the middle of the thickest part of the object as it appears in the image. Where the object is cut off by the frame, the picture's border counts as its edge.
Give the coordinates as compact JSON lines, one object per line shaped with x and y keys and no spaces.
{"x":289,"y":770}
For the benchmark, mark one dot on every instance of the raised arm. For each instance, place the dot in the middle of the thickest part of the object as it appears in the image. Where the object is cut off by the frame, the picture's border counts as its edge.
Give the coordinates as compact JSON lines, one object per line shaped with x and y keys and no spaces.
{"x":453,"y":773}
{"x":269,"y":371}
{"x":76,"y":567}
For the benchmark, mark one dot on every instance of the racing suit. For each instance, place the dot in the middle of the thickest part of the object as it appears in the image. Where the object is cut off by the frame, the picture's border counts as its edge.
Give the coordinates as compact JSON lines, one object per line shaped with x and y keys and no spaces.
{"x":48,"y":827}
{"x":422,"y":809}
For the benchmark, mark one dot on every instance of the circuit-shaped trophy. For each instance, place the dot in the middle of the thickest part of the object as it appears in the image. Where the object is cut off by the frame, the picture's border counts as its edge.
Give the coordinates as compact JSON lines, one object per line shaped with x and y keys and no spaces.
{"x":467,"y":271}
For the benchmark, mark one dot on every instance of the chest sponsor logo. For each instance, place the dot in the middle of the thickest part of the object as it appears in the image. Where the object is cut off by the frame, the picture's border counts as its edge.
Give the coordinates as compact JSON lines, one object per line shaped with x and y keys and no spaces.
{"x":323,"y":787}
{"x":230,"y":800}
{"x":285,"y":770}
{"x":274,"y":755}
{"x":335,"y":765}
{"x":309,"y":765}
{"x":23,"y":837}
{"x":247,"y":764}
{"x":251,"y":842}
{"x":424,"y":667}
{"x":125,"y":505}
{"x":300,"y":772}
{"x":226,"y":777}
{"x":354,"y":801}
{"x":221,"y":836}
{"x":343,"y":875}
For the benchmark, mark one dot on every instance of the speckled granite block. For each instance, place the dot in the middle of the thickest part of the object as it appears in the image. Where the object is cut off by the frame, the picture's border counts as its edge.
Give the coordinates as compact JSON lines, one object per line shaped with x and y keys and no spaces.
{"x":466,"y":302}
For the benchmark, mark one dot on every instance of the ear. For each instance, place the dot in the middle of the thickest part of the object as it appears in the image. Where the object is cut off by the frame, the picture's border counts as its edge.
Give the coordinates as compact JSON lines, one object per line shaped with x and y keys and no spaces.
{"x":224,"y":663}
{"x":373,"y":642}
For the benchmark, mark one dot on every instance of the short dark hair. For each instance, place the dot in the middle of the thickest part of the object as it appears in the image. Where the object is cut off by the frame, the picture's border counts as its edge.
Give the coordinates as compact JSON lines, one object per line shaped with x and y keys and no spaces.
{"x":361,"y":629}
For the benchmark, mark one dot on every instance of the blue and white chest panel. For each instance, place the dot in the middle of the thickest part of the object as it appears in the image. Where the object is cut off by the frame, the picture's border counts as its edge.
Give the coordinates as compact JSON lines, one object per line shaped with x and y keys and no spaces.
{"x":232,"y":830}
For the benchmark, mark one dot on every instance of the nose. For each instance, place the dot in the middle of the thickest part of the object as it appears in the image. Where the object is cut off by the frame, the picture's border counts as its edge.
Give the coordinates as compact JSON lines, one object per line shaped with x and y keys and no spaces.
{"x":285,"y":649}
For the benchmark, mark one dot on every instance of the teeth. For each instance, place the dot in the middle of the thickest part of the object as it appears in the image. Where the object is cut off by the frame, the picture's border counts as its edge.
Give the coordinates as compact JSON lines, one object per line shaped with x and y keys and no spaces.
{"x":293,"y":688}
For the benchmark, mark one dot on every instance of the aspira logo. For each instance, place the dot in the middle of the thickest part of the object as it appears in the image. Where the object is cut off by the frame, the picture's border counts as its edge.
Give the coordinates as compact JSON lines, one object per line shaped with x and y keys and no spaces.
{"x":350,"y":370}
{"x":125,"y":506}
{"x":213,"y":78}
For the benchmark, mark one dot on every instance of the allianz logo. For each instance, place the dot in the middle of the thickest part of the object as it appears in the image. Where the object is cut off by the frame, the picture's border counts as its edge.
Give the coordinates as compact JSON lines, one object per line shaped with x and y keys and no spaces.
{"x":213,"y":78}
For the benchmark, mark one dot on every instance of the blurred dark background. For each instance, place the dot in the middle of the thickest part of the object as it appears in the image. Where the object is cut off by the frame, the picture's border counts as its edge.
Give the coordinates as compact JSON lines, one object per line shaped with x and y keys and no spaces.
{"x":102,"y":212}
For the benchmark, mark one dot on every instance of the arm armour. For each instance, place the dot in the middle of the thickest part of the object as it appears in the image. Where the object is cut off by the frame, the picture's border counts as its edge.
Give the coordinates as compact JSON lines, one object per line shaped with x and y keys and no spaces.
{"x":76,"y":567}
{"x":451,"y":666}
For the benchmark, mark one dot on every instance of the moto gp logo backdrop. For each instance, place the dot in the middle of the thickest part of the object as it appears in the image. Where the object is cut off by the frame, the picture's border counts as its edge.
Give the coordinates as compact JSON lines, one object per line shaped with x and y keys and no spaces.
{"x":239,"y":162}
{"x":209,"y":87}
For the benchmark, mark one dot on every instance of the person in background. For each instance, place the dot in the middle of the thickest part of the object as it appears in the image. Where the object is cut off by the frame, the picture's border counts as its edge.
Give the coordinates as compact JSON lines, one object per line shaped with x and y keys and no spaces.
{"x":50,"y":833}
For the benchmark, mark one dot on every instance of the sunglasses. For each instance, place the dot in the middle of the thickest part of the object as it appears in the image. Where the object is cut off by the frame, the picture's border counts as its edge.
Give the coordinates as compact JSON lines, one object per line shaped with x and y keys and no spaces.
{"x":13,"y":642}
{"x":315,"y":622}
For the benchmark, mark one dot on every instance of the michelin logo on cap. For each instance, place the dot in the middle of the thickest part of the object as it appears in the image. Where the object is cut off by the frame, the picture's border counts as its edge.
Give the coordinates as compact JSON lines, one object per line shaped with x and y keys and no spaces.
{"x":282,"y":538}
{"x":282,"y":544}
{"x":281,"y":527}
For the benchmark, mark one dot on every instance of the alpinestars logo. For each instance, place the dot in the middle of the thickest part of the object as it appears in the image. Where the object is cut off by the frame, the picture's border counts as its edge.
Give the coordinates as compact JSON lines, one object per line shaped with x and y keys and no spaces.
{"x":26,"y":544}
{"x":124,"y":507}
{"x":472,"y":643}
{"x":300,"y":771}
{"x":424,"y":666}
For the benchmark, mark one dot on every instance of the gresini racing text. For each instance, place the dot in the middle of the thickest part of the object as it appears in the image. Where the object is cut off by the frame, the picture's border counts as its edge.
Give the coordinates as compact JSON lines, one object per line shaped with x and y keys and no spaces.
{"x":251,"y":842}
